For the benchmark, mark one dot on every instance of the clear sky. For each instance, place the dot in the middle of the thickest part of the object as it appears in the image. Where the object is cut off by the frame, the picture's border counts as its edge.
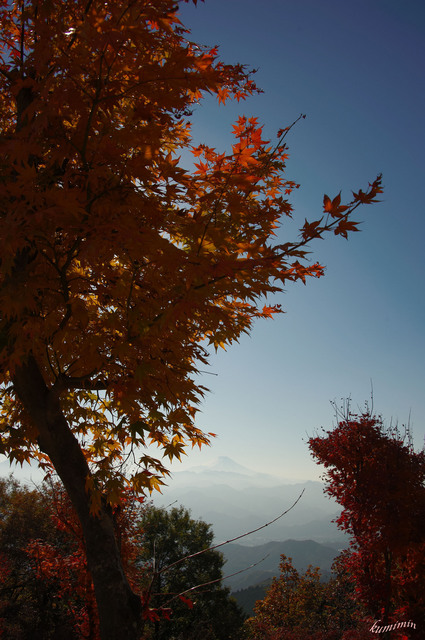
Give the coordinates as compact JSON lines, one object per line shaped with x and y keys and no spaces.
{"x":356,"y":69}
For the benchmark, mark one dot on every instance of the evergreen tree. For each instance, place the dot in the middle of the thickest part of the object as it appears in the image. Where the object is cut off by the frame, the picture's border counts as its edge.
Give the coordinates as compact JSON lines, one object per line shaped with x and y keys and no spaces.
{"x":175,"y":549}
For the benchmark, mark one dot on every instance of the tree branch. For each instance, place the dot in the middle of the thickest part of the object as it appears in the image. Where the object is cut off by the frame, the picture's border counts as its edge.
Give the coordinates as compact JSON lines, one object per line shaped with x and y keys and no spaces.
{"x":206,"y":584}
{"x":243,"y":535}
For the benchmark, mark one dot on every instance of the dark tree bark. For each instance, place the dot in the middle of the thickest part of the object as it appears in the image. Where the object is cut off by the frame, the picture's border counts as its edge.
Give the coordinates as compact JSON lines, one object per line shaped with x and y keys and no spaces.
{"x":120,"y":609}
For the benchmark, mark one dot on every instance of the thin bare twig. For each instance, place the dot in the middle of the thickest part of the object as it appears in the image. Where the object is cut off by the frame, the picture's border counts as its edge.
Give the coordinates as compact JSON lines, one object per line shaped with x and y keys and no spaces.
{"x":216,"y":546}
{"x":210,"y":582}
{"x":243,"y":535}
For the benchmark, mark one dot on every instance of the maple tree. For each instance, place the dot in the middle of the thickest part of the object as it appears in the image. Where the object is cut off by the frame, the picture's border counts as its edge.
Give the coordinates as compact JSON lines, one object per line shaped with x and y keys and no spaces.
{"x":30,"y":608}
{"x":379,"y":480}
{"x":59,"y":561}
{"x":46,"y":590}
{"x":119,"y":267}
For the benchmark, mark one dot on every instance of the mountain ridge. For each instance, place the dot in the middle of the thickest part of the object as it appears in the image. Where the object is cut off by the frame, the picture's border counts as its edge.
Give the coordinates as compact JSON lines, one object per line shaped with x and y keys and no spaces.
{"x":235,"y":503}
{"x":249,"y":566}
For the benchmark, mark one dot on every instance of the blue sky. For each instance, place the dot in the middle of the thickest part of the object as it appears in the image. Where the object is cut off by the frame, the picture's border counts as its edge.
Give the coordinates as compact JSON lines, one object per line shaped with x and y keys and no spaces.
{"x":356,"y":69}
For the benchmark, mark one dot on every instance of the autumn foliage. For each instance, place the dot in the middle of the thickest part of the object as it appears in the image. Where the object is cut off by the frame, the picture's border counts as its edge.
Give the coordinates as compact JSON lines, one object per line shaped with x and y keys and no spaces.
{"x":379,"y":480}
{"x":46,"y":590}
{"x":305,"y":607}
{"x":119,"y":265}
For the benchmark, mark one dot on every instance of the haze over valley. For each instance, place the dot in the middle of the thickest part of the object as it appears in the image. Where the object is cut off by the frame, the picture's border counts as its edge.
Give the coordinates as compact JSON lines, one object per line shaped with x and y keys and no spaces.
{"x":236,"y":500}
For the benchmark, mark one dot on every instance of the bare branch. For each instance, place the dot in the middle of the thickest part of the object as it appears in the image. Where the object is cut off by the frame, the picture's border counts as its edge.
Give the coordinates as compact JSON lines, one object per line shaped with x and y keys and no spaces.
{"x":210,"y":582}
{"x":243,"y":535}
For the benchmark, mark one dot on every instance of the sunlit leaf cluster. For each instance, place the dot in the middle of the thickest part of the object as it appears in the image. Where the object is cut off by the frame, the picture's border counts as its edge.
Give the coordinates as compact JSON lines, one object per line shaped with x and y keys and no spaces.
{"x":119,"y":266}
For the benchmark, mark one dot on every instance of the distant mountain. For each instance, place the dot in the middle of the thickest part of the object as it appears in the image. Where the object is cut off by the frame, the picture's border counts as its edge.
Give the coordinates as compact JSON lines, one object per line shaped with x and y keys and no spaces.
{"x":247,"y":598}
{"x":303,"y":553}
{"x":252,"y":585}
{"x":223,"y":464}
{"x":236,"y":500}
{"x":222,"y":470}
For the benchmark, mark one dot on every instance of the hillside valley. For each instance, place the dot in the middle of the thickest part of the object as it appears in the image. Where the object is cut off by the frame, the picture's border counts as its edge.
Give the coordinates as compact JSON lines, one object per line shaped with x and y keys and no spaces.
{"x":235,"y":500}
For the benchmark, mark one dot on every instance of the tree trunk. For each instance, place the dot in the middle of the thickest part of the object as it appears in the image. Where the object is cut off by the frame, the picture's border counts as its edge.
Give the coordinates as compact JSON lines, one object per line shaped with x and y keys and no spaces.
{"x":119,"y":608}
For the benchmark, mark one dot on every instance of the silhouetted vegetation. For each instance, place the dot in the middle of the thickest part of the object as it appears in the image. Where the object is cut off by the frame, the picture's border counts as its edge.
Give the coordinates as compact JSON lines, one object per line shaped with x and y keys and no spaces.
{"x":46,"y":590}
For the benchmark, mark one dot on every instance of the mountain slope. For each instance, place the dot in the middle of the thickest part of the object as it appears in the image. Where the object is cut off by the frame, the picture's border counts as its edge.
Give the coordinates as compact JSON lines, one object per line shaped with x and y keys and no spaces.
{"x":303,"y":553}
{"x":235,"y":500}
